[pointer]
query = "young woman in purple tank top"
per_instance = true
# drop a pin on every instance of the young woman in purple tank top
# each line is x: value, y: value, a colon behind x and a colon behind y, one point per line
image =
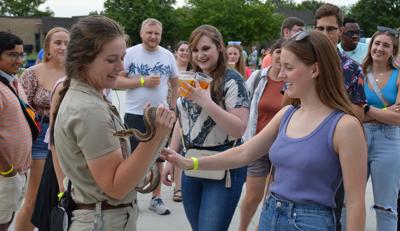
x: 311, y: 145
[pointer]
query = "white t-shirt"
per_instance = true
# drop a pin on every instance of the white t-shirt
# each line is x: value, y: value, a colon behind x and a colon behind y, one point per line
x: 139, y: 61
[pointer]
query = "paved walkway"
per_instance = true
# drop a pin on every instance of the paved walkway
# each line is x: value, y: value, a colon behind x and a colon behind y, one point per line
x: 149, y: 221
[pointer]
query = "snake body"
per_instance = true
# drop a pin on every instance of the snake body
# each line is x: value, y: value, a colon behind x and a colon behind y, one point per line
x: 152, y: 178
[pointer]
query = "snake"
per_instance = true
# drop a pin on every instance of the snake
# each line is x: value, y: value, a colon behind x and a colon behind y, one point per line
x: 153, y: 176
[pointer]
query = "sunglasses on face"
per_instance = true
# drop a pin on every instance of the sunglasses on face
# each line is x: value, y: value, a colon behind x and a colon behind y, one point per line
x: 391, y: 31
x: 351, y: 33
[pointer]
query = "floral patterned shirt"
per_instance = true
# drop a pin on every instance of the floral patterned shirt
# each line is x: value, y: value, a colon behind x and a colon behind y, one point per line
x: 198, y: 128
x: 38, y: 97
x: 353, y: 79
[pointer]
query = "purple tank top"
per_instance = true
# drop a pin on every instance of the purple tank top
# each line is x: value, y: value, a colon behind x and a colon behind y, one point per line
x: 307, y: 169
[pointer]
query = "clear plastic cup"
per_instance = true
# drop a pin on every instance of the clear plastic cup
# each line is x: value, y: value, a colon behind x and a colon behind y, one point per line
x: 188, y: 77
x: 203, y: 79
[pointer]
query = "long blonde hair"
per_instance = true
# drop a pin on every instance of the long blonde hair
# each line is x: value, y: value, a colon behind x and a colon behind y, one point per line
x: 47, y: 40
x: 240, y: 65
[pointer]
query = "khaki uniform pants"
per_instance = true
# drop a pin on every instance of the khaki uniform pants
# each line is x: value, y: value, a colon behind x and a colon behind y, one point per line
x: 120, y: 219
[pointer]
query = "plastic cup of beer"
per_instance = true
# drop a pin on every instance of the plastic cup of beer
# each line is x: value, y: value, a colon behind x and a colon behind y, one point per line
x: 185, y: 77
x: 203, y: 79
x: 231, y: 64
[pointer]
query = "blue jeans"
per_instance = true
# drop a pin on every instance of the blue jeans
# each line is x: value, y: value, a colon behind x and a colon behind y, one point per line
x: 208, y: 204
x: 278, y: 214
x: 39, y: 147
x: 384, y: 168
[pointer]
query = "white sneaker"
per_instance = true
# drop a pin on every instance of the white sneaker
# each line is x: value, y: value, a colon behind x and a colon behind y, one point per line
x: 157, y: 205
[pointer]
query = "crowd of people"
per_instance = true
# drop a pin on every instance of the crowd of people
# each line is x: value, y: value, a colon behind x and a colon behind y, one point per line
x: 304, y: 132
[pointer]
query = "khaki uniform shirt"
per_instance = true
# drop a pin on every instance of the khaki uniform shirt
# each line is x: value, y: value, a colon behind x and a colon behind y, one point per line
x: 84, y: 131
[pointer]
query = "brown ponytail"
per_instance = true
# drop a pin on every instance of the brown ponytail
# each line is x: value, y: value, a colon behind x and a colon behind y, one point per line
x: 88, y: 36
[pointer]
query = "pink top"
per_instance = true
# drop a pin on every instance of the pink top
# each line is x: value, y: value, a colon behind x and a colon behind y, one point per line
x: 15, y: 133
x: 38, y: 97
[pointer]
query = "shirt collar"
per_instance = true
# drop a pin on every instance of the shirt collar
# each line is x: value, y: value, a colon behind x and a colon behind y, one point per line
x: 9, y: 77
x: 79, y: 85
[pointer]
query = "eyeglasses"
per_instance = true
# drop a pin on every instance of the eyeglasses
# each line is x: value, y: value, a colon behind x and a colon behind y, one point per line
x: 328, y: 29
x: 351, y: 33
x: 16, y: 55
x: 391, y: 31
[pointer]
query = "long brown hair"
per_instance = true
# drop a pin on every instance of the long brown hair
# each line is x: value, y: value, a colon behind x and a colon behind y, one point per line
x: 88, y: 36
x: 240, y: 65
x: 317, y: 48
x: 392, y: 60
x: 219, y: 72
x: 47, y: 40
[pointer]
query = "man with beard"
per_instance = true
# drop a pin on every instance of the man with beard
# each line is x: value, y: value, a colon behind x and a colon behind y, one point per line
x: 148, y: 70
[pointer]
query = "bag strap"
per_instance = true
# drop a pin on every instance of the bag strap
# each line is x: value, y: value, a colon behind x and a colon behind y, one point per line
x: 269, y: 180
x: 376, y: 88
x: 35, y: 130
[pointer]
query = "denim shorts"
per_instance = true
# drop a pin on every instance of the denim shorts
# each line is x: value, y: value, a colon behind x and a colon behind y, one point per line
x: 280, y: 214
x: 39, y: 147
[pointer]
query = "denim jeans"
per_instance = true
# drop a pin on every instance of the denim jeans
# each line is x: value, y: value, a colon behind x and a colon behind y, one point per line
x: 384, y: 169
x: 39, y: 147
x: 208, y: 204
x: 278, y: 214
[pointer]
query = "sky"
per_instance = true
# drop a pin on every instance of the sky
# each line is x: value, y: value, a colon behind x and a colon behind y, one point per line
x: 68, y: 8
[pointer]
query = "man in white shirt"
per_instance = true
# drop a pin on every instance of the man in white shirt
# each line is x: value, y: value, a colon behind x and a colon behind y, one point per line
x: 149, y: 68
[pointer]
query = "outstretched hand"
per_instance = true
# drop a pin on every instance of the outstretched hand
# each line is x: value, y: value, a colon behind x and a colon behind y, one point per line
x: 176, y: 159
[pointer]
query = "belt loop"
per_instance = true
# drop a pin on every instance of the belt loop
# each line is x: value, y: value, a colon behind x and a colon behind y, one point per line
x: 98, y: 218
x: 291, y: 209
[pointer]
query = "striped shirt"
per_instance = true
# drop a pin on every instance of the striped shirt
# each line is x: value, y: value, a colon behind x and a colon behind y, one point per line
x: 15, y: 133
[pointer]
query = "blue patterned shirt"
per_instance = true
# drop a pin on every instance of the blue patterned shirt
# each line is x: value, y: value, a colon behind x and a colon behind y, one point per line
x: 198, y: 128
x: 353, y: 79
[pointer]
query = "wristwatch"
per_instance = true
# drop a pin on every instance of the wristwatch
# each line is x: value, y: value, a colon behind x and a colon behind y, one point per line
x: 366, y: 108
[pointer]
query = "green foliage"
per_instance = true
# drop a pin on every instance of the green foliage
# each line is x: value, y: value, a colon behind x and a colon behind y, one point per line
x: 131, y: 13
x: 371, y: 13
x: 23, y: 8
x: 250, y: 21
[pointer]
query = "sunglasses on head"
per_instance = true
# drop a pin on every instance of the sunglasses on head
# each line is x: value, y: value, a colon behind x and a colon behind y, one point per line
x: 351, y: 33
x: 300, y: 35
x: 391, y: 31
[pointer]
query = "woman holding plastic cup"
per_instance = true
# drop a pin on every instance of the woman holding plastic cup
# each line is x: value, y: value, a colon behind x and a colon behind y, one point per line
x: 211, y: 119
x: 236, y: 60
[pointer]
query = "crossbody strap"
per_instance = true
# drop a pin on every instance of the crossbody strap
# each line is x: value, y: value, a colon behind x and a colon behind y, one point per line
x: 376, y: 88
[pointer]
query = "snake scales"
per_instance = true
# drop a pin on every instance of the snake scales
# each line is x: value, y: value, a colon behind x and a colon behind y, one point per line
x: 152, y: 178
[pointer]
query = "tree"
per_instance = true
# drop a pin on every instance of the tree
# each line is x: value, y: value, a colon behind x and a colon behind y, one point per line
x: 250, y: 21
x: 131, y: 13
x: 23, y: 8
x: 372, y: 13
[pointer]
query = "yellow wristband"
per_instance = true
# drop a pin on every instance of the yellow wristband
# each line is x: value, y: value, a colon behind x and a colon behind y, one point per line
x: 8, y: 172
x: 141, y: 81
x: 195, y: 163
x: 385, y: 108
x: 60, y: 195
